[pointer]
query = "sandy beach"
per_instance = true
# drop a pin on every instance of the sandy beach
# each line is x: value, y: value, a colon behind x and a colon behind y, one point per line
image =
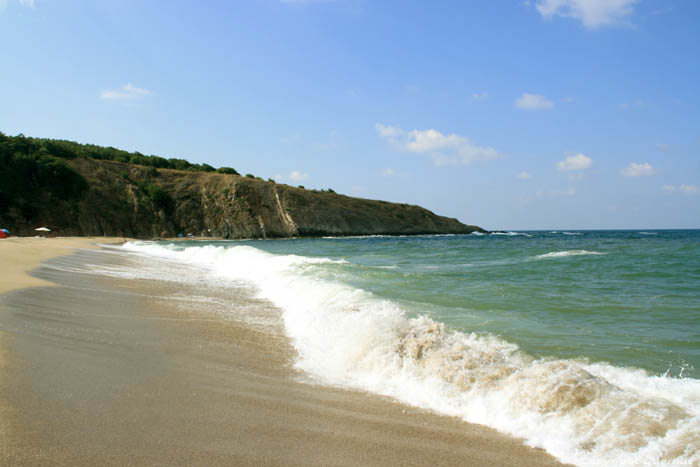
x: 23, y: 254
x: 112, y: 371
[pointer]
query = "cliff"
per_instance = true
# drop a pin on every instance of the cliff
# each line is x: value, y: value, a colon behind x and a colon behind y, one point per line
x: 96, y: 197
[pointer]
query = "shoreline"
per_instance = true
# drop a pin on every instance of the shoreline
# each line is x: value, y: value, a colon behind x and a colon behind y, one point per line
x: 114, y: 371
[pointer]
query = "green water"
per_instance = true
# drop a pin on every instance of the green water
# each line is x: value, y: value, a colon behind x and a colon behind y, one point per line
x: 625, y: 297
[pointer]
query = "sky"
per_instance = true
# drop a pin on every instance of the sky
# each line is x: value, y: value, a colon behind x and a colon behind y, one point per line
x: 540, y: 114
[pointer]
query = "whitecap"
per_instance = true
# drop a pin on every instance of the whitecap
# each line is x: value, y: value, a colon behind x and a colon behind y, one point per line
x: 564, y: 254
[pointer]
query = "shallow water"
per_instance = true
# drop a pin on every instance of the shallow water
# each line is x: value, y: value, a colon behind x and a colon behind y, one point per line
x: 583, y: 343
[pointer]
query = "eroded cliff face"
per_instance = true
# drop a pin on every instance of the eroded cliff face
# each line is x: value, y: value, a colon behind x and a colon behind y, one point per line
x: 136, y: 201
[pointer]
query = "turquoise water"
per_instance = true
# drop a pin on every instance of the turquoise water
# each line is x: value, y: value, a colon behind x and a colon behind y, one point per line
x: 630, y: 298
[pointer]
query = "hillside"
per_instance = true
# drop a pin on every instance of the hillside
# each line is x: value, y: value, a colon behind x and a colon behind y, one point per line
x: 89, y: 190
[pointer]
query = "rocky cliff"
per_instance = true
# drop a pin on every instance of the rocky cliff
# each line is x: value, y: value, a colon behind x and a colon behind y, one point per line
x: 117, y: 198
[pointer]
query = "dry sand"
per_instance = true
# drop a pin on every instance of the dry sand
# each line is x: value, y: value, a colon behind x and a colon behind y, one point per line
x: 19, y: 255
x: 103, y: 371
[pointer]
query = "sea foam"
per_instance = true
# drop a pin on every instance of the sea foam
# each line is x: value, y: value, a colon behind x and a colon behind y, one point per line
x: 564, y: 254
x: 511, y: 234
x: 578, y: 411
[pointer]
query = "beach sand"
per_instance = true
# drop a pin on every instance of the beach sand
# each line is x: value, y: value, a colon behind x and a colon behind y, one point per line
x: 108, y: 371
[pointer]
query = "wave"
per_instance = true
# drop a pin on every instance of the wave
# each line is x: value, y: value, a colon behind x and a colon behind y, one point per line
x: 578, y: 411
x: 564, y: 254
x: 344, y: 237
x: 648, y: 233
x: 511, y: 234
x: 571, y: 233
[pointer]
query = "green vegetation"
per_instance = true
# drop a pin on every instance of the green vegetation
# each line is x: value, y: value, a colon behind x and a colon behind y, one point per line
x: 227, y: 170
x: 69, y: 150
x: 250, y: 175
x: 27, y: 168
x: 161, y: 199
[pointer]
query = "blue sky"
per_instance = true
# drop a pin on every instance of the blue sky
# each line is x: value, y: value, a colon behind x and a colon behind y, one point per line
x: 551, y: 114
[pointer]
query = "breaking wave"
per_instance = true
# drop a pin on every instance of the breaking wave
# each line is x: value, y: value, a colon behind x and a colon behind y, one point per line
x: 511, y: 234
x: 564, y: 254
x: 578, y: 411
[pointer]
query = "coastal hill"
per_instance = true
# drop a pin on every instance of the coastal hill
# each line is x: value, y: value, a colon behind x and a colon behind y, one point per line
x: 79, y: 189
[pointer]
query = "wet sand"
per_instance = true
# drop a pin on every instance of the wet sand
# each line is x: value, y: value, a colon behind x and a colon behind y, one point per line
x: 106, y: 371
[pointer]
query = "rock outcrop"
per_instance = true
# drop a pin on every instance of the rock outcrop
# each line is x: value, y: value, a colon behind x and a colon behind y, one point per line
x: 144, y: 202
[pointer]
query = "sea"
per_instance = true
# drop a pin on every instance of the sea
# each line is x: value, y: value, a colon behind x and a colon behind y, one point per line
x: 582, y: 343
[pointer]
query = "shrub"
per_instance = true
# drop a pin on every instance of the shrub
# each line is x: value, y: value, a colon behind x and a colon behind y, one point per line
x: 227, y: 170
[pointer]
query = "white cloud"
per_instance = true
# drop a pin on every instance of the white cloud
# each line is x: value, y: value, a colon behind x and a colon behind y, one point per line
x: 592, y: 13
x: 450, y: 149
x: 477, y: 96
x: 298, y: 176
x: 533, y: 102
x: 638, y: 170
x: 294, y: 176
x: 126, y: 92
x: 689, y: 189
x: 388, y: 172
x: 576, y: 176
x: 26, y: 3
x: 569, y: 192
x: 577, y: 162
x: 524, y: 175
x: 387, y: 131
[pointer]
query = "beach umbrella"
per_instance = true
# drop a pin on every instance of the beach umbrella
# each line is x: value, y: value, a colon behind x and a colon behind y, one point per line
x: 3, y: 234
x: 43, y: 229
x: 6, y: 231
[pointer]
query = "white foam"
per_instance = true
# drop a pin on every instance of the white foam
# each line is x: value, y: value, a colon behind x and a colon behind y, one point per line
x: 511, y: 234
x: 571, y: 233
x: 564, y: 254
x: 578, y: 411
